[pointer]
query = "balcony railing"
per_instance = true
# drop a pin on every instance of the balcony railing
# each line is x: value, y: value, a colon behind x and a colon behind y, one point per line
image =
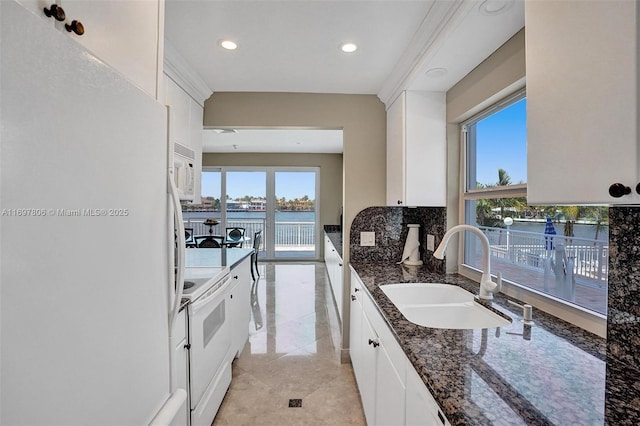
x: 294, y: 236
x: 572, y: 268
x: 590, y: 257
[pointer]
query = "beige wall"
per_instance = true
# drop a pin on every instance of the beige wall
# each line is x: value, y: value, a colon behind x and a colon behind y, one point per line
x: 330, y: 197
x: 496, y: 77
x: 363, y: 120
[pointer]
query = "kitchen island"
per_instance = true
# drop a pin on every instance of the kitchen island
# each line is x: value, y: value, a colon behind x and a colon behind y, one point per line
x: 549, y: 373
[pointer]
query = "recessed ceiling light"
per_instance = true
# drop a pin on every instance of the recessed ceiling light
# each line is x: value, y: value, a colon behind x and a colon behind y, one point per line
x: 495, y: 7
x: 348, y: 47
x: 228, y: 44
x: 436, y: 72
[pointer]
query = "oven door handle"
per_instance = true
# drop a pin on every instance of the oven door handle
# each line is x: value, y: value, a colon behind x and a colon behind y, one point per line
x: 208, y: 298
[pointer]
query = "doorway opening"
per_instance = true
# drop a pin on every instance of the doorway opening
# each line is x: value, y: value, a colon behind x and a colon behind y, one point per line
x: 280, y: 202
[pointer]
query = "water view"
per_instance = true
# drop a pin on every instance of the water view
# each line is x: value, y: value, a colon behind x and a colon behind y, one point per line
x: 295, y: 231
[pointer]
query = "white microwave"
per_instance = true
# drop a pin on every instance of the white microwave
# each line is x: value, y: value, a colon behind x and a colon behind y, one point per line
x: 184, y: 171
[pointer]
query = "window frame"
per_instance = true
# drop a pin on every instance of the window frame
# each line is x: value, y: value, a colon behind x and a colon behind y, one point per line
x: 582, y: 317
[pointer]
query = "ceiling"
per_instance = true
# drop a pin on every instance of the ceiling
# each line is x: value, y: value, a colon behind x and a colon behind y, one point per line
x: 293, y: 46
x: 312, y: 141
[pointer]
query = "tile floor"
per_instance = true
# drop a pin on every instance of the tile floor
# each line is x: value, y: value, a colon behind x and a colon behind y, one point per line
x: 289, y: 372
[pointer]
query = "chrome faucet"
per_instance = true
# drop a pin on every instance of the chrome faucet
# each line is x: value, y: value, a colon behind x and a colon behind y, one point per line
x: 487, y: 286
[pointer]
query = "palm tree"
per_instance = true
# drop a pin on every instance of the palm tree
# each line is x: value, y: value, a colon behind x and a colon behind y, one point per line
x: 503, y: 178
x: 483, y: 213
x: 571, y: 214
x: 518, y: 203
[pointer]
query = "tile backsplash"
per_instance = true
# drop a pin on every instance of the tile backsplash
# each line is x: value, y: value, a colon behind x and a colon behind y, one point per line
x: 390, y: 227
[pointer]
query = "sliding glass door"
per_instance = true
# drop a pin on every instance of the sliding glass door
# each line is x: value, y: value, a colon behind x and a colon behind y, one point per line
x: 295, y: 214
x: 280, y: 202
x: 245, y: 203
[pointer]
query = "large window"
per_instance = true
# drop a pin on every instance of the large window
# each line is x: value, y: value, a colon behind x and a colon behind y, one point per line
x: 557, y: 251
x: 280, y: 202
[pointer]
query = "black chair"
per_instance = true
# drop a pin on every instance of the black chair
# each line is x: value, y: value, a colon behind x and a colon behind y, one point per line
x: 208, y: 241
x: 257, y: 239
x: 188, y: 237
x: 235, y: 237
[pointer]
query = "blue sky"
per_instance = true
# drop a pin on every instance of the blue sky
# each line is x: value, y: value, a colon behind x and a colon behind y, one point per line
x: 502, y: 143
x: 288, y: 184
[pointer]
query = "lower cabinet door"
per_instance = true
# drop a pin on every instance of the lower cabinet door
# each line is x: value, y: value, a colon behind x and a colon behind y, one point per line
x: 356, y: 346
x: 240, y: 305
x: 368, y: 382
x: 390, y: 391
x: 422, y: 409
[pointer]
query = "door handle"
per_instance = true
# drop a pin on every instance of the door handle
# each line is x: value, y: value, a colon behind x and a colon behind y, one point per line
x: 56, y: 12
x: 76, y: 27
x: 617, y: 190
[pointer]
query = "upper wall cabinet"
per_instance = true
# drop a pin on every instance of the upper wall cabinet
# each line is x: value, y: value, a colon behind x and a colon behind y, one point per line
x: 416, y: 150
x: 582, y: 96
x: 186, y: 116
x: 124, y: 34
x: 185, y: 92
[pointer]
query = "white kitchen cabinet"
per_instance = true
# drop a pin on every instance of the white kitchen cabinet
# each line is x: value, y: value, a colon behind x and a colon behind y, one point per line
x: 363, y: 369
x: 333, y: 262
x: 422, y: 409
x: 180, y: 363
x: 179, y: 102
x: 416, y: 150
x: 582, y: 101
x: 377, y: 365
x: 186, y: 117
x: 391, y: 390
x: 127, y: 35
x: 196, y: 118
x: 240, y: 305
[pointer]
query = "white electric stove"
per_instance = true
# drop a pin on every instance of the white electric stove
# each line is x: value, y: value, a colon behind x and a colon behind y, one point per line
x: 198, y: 280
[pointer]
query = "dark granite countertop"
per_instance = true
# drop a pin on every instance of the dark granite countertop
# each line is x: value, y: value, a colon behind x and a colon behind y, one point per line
x: 334, y: 232
x: 550, y: 373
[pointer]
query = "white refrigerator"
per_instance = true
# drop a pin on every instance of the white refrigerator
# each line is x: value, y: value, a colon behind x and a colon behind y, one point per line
x: 85, y: 278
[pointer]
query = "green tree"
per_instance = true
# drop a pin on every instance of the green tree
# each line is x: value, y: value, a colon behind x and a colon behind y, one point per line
x: 485, y: 208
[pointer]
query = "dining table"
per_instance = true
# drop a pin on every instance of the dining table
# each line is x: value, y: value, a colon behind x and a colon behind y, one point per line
x: 225, y: 241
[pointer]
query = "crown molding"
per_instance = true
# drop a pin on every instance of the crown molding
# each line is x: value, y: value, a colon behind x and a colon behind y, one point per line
x: 177, y: 68
x: 440, y: 20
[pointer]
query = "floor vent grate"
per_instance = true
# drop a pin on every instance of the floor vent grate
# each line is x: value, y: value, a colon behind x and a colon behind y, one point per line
x: 295, y: 403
